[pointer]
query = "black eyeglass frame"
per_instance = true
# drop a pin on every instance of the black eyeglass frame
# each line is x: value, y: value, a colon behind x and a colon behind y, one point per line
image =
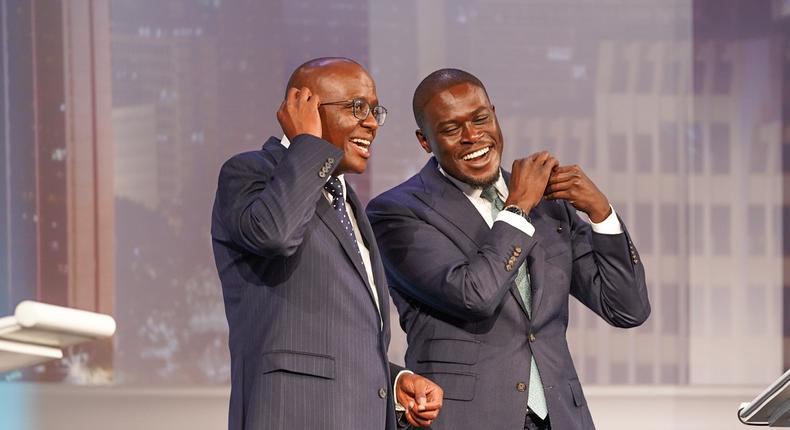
x: 360, y: 106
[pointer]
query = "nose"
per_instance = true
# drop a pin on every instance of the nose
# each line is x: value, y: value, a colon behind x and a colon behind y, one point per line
x: 370, y: 122
x: 469, y: 133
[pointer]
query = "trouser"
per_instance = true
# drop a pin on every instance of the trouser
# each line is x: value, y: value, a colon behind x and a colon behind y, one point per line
x: 533, y: 422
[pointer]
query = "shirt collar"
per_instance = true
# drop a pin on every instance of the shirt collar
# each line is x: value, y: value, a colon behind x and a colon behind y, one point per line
x: 285, y: 142
x: 473, y: 191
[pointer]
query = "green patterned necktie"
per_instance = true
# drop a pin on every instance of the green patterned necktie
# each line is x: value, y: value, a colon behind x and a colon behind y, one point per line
x: 536, y: 400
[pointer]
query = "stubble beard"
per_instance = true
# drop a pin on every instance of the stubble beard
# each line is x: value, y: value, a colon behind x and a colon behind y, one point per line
x: 484, y: 182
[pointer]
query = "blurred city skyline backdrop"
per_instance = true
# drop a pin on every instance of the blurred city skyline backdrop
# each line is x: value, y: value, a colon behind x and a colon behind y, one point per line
x: 117, y: 114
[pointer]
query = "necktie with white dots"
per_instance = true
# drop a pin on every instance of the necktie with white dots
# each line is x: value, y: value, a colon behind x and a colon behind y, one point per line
x: 335, y: 188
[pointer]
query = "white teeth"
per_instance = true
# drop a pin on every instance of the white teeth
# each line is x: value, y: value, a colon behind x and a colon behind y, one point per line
x: 478, y: 153
x: 361, y: 142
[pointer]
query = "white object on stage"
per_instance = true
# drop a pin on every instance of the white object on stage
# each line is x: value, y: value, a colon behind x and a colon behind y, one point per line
x: 37, y: 332
x: 771, y: 408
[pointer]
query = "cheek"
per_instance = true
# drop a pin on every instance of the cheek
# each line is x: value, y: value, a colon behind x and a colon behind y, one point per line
x: 444, y: 147
x: 342, y: 128
x: 335, y: 132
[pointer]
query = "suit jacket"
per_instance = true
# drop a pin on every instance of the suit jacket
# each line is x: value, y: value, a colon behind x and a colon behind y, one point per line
x: 468, y: 330
x: 307, y: 346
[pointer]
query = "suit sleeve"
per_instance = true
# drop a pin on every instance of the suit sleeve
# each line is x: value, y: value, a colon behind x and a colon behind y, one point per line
x: 425, y: 264
x: 265, y: 208
x: 608, y: 275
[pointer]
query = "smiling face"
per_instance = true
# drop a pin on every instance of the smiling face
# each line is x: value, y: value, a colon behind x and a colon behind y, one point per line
x: 460, y: 128
x: 341, y: 81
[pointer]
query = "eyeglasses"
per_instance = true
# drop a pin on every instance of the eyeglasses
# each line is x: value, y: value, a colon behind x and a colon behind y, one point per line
x: 361, y: 109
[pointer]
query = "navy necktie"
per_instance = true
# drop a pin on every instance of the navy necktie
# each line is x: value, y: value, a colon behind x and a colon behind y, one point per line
x: 335, y: 188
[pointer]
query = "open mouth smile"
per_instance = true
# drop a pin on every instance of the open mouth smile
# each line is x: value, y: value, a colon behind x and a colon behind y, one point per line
x: 477, y: 154
x: 363, y: 145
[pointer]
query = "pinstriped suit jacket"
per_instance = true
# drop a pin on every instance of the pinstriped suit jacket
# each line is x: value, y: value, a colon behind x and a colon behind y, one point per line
x: 452, y: 280
x: 306, y: 343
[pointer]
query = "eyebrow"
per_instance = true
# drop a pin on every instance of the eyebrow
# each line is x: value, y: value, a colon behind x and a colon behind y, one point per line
x: 452, y: 121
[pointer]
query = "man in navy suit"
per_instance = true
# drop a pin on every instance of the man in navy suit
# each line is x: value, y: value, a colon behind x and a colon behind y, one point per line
x: 304, y: 288
x: 481, y: 264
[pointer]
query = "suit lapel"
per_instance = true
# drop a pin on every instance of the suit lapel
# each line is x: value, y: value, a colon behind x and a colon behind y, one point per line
x: 328, y: 216
x: 536, y: 263
x: 517, y: 296
x: 451, y: 203
x: 370, y: 241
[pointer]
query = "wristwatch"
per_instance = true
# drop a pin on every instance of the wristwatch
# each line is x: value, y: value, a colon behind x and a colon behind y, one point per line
x: 516, y: 210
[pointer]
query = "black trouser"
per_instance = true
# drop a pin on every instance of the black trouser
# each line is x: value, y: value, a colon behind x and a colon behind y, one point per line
x: 533, y: 422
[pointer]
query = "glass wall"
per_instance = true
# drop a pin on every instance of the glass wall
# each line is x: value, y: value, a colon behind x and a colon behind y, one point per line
x: 674, y: 108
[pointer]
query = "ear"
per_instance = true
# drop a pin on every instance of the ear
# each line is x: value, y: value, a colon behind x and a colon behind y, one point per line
x: 423, y: 140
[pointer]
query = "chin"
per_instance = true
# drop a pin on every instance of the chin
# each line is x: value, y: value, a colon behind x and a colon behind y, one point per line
x: 356, y: 168
x: 484, y: 182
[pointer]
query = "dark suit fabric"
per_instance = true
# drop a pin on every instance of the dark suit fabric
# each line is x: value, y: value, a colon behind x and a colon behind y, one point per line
x: 306, y: 343
x: 464, y: 318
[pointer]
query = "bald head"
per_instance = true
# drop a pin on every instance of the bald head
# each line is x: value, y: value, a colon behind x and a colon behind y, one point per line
x: 311, y: 73
x: 337, y: 88
x: 437, y: 82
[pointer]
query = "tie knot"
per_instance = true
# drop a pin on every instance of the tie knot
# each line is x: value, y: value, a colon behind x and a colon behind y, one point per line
x: 334, y: 187
x: 490, y: 193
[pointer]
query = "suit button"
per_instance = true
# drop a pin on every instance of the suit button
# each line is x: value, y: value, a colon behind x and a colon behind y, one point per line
x: 511, y: 260
x: 508, y: 267
x: 382, y: 393
x: 531, y: 337
x: 521, y: 387
x: 559, y: 229
x: 517, y: 249
x: 330, y: 160
x: 322, y: 174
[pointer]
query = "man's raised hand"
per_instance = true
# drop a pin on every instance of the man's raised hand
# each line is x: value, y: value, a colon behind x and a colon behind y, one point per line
x: 298, y: 113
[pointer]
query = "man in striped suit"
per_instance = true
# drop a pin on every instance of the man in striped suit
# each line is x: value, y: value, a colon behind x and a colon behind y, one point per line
x: 304, y: 288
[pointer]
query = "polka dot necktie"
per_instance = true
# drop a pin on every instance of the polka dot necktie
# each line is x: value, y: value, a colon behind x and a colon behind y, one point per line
x: 536, y: 399
x: 335, y: 188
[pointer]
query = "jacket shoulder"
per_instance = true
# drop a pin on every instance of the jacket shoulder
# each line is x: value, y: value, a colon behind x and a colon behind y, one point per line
x: 400, y: 194
x: 251, y: 159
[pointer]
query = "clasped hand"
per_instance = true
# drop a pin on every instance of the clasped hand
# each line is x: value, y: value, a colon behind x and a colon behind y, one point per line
x: 540, y: 175
x: 421, y: 397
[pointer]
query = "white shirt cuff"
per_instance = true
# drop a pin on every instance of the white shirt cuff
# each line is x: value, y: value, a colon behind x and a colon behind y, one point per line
x: 516, y: 221
x: 611, y: 225
x: 398, y: 406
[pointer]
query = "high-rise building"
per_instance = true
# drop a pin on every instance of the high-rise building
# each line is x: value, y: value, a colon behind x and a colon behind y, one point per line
x: 677, y: 122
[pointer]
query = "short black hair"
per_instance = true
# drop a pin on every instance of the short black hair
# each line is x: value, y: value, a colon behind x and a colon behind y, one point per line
x: 438, y: 81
